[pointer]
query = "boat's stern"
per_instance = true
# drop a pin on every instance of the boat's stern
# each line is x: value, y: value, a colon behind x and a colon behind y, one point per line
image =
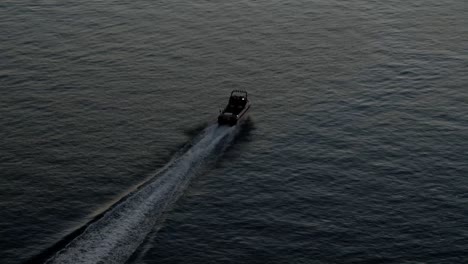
x: 227, y: 119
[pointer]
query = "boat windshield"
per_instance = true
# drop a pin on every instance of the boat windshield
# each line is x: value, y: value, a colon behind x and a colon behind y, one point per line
x: 236, y: 104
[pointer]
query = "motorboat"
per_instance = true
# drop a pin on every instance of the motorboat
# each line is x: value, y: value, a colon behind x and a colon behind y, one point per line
x: 236, y: 109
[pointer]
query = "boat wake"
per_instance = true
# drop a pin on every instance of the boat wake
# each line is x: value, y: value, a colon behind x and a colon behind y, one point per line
x: 117, y: 234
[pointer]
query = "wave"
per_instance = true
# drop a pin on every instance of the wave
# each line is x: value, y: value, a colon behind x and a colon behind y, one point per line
x: 118, y: 233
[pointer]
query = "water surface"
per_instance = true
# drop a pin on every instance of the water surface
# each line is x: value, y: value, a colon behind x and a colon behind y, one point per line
x: 355, y: 150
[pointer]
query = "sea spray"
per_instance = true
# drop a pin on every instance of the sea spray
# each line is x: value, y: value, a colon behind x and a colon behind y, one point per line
x: 114, y: 237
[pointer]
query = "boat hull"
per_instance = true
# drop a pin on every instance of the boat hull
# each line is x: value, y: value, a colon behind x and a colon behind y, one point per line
x: 232, y: 120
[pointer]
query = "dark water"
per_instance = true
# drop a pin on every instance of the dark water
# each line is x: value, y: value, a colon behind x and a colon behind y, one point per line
x: 355, y: 150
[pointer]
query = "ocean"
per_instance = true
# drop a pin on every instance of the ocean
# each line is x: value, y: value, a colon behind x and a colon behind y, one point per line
x: 355, y: 149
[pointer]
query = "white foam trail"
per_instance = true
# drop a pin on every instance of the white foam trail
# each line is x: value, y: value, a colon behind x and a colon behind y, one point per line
x: 114, y: 237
